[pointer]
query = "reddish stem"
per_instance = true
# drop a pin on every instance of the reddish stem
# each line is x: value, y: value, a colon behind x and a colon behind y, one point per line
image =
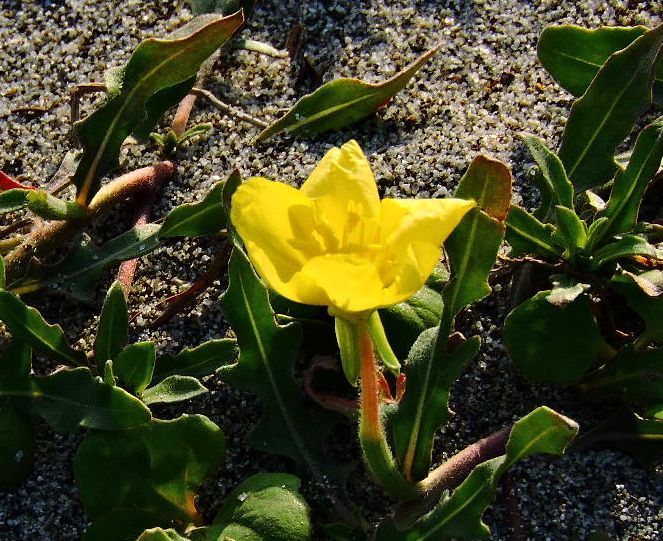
x: 182, y: 115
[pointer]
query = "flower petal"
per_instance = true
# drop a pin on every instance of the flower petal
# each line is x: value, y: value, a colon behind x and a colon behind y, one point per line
x: 344, y: 281
x: 342, y: 186
x: 413, y: 231
x: 273, y: 219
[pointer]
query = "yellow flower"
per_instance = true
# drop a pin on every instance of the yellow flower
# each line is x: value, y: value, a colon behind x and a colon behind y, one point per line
x: 335, y: 243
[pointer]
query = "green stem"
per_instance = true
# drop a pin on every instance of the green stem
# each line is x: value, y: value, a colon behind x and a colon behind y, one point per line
x: 372, y: 438
x: 385, y: 353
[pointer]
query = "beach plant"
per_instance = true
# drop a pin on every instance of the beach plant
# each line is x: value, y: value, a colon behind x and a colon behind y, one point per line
x: 301, y: 242
x: 597, y: 322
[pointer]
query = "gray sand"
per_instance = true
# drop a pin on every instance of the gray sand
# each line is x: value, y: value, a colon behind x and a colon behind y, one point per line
x: 475, y: 96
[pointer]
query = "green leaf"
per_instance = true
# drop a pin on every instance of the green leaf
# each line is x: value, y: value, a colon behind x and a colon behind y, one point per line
x: 113, y: 328
x: 430, y: 374
x: 552, y: 344
x: 202, y: 360
x: 173, y: 389
x: 605, y: 114
x: 622, y: 247
x: 565, y: 290
x: 17, y: 444
x: 159, y: 534
x: 46, y: 206
x: 642, y: 438
x: 151, y: 472
x: 78, y: 273
x: 405, y: 321
x: 472, y: 249
x: 268, y: 353
x: 633, y: 376
x: 527, y: 235
x: 26, y: 324
x: 341, y: 103
x: 134, y: 366
x: 155, y: 65
x: 629, y: 187
x: 158, y: 104
x: 459, y: 515
x: 14, y: 199
x: 572, y: 228
x: 265, y: 507
x: 559, y: 187
x: 649, y: 307
x: 196, y: 219
x: 68, y: 399
x: 573, y: 55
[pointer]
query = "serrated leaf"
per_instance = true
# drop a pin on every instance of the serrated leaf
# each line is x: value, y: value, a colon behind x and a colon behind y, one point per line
x: 634, y: 376
x: 527, y: 235
x: 265, y: 507
x: 629, y: 187
x: 155, y: 65
x: 622, y: 247
x: 113, y: 328
x: 68, y: 399
x: 196, y: 219
x: 46, y: 206
x: 200, y: 361
x: 173, y: 389
x: 430, y: 373
x: 14, y: 199
x: 17, y: 443
x: 150, y: 472
x: 552, y: 344
x: 265, y: 367
x: 607, y: 111
x: 134, y: 366
x: 26, y: 324
x: 459, y: 515
x: 573, y: 55
x: 78, y: 273
x: 341, y: 103
x: 650, y: 308
x: 558, y: 186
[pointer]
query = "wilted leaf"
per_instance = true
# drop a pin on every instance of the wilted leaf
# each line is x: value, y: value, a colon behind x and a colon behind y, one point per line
x: 552, y: 344
x: 459, y: 515
x: 150, y: 473
x: 26, y: 324
x: 341, y: 103
x: 113, y: 328
x: 173, y: 389
x: 573, y: 55
x: 607, y: 111
x: 155, y: 65
x: 202, y: 360
x: 196, y: 219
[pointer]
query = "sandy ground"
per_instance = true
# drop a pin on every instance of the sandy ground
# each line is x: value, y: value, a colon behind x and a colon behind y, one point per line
x: 483, y: 88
